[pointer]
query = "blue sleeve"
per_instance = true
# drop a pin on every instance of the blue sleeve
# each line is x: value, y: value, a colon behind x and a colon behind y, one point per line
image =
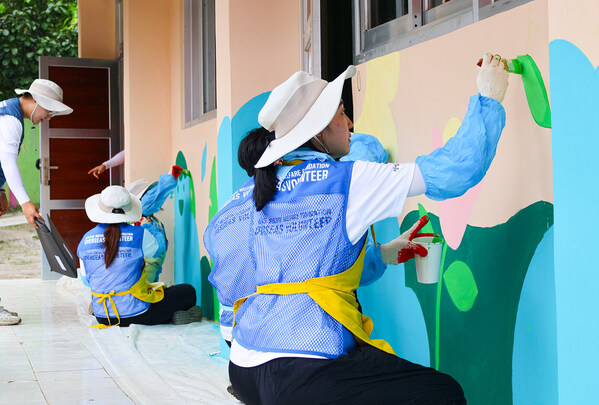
x: 156, y: 246
x: 152, y: 200
x: 463, y: 161
x: 373, y: 263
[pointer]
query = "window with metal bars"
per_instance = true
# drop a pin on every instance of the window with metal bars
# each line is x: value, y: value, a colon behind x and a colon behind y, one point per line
x: 384, y: 26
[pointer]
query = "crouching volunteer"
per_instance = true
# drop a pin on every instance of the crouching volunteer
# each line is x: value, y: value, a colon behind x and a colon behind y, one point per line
x: 152, y: 196
x: 112, y: 259
x: 376, y: 258
x: 303, y: 217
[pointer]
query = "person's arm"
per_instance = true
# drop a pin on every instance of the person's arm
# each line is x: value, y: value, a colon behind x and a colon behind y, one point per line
x: 116, y: 160
x: 150, y: 245
x: 15, y: 182
x: 463, y: 161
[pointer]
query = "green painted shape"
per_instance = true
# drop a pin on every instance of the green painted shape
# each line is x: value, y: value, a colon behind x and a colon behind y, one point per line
x: 428, y: 228
x: 180, y: 160
x: 476, y: 347
x: 534, y: 88
x: 460, y: 285
x: 213, y: 209
x: 207, y: 289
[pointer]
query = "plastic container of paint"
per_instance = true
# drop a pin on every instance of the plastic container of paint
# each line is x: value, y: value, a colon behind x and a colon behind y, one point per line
x: 429, y: 267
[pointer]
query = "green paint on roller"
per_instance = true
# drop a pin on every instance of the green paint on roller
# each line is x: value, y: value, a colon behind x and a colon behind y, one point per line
x: 534, y: 87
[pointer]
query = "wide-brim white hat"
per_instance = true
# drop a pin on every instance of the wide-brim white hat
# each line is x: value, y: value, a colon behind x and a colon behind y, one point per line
x: 297, y: 110
x: 112, y: 206
x: 48, y: 95
x: 139, y: 187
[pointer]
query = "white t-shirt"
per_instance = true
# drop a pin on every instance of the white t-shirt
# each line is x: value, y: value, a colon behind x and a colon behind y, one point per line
x: 10, y: 138
x: 377, y: 191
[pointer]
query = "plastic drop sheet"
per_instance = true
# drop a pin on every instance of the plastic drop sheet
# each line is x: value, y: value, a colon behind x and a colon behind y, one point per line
x: 162, y: 363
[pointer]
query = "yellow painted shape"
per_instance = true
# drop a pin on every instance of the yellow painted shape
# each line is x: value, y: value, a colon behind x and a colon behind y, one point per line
x: 382, y: 82
x: 451, y: 128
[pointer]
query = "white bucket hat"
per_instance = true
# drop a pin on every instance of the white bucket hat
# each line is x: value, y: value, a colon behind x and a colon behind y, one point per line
x: 138, y: 187
x: 112, y: 206
x: 48, y: 95
x: 297, y: 110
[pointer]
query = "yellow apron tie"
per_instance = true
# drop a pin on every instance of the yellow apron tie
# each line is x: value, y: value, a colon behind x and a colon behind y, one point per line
x: 142, y: 290
x: 336, y: 296
x: 292, y: 162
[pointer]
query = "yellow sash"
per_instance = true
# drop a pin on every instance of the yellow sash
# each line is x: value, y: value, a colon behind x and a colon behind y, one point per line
x: 142, y: 290
x: 336, y: 296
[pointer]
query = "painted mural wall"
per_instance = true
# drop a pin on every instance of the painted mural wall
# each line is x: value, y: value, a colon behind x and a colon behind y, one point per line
x: 490, y: 321
x: 574, y: 61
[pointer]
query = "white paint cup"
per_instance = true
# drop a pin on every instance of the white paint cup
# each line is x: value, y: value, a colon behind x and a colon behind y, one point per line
x: 429, y: 267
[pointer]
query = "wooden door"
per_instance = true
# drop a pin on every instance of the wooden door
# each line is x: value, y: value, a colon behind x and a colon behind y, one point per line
x: 71, y: 145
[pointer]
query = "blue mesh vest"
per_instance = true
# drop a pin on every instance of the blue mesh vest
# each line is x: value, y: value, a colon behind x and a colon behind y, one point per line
x: 227, y: 239
x: 122, y: 273
x: 301, y: 234
x: 12, y: 107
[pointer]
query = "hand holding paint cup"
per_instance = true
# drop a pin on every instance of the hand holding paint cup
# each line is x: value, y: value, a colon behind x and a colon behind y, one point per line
x: 428, y: 267
x: 402, y: 249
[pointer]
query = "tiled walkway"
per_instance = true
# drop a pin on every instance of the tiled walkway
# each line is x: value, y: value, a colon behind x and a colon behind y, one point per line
x: 51, y: 358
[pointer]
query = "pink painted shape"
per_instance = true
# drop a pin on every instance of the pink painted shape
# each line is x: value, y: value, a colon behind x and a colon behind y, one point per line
x: 12, y: 200
x: 455, y: 213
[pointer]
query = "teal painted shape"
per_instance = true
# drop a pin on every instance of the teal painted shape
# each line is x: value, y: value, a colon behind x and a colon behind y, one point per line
x: 575, y: 141
x: 187, y: 245
x: 225, y: 162
x: 394, y: 308
x: 534, y: 359
x: 204, y: 157
x: 230, y: 175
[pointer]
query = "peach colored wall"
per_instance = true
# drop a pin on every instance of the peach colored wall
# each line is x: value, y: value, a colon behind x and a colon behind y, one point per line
x: 147, y: 94
x: 431, y: 84
x: 265, y: 46
x: 96, y: 29
x: 577, y: 22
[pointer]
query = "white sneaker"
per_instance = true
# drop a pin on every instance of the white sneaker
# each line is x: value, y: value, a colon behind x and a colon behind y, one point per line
x: 8, y: 317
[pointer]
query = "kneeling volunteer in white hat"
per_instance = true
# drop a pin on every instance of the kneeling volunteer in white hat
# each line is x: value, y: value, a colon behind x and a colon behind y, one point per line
x: 299, y: 226
x: 112, y: 260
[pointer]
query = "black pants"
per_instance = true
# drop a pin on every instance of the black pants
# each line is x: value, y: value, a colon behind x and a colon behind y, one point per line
x: 364, y: 376
x: 176, y: 298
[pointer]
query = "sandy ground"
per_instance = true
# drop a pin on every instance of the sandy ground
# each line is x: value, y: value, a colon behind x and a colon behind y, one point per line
x: 20, y: 249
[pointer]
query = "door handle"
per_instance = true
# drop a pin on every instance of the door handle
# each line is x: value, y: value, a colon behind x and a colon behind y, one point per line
x: 46, y: 171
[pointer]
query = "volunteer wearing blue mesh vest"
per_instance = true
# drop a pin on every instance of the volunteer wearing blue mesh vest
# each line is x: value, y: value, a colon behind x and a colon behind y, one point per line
x: 40, y: 102
x: 300, y: 338
x: 112, y: 260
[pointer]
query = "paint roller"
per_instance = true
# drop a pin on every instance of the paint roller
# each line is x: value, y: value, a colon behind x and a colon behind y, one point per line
x: 534, y: 87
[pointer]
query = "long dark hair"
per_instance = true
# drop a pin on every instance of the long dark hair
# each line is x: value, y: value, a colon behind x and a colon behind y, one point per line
x: 265, y: 179
x: 112, y: 236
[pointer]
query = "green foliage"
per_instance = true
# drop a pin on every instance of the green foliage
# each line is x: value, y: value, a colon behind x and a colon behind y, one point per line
x: 29, y: 29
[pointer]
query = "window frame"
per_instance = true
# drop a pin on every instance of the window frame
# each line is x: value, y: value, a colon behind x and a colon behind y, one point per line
x: 418, y: 26
x: 199, y: 62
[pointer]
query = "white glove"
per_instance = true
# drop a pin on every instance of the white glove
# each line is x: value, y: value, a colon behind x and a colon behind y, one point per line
x: 492, y: 77
x: 402, y: 249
